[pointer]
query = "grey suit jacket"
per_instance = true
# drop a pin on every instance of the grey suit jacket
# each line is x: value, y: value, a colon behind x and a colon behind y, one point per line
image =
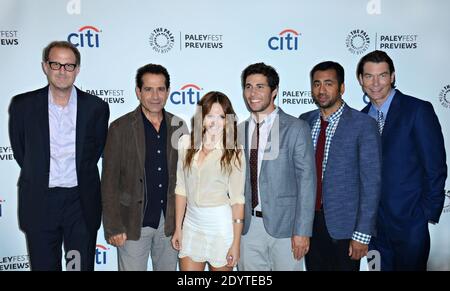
x: 287, y: 180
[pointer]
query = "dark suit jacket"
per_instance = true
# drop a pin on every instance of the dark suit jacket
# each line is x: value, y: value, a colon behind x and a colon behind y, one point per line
x: 414, y: 168
x: 123, y: 174
x: 30, y: 141
x: 352, y: 179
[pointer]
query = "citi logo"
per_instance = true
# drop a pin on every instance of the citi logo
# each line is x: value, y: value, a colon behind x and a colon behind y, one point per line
x: 101, y: 254
x: 87, y: 36
x: 288, y: 39
x: 1, y: 201
x: 188, y: 94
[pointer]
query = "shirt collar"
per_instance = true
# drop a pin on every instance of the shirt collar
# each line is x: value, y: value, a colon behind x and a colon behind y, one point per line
x: 217, y: 146
x: 336, y: 115
x: 385, y: 106
x: 72, y: 97
x: 163, y: 121
x: 268, y: 119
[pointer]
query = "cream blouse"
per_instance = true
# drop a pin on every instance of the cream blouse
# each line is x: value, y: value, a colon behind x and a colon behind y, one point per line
x: 207, y: 185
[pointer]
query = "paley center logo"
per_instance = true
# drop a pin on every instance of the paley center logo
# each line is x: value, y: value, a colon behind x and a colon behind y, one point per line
x: 161, y: 40
x: 101, y: 254
x: 357, y: 41
x: 86, y: 36
x: 187, y: 94
x: 444, y: 96
x: 287, y: 39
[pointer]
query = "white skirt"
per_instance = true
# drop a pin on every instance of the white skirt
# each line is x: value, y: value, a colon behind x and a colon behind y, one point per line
x: 207, y: 234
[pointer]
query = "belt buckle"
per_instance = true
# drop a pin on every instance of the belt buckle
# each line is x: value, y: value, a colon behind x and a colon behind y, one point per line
x: 257, y: 213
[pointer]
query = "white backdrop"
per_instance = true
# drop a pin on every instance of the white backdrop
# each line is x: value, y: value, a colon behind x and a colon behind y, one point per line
x: 205, y: 45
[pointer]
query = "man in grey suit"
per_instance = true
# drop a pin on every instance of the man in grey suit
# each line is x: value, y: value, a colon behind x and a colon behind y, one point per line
x: 280, y: 183
x: 348, y: 159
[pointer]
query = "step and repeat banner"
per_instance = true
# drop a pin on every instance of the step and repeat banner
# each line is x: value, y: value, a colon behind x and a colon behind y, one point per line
x: 205, y: 45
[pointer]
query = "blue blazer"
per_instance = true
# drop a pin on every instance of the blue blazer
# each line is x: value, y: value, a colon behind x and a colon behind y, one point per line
x: 414, y: 168
x: 351, y: 182
x: 30, y: 141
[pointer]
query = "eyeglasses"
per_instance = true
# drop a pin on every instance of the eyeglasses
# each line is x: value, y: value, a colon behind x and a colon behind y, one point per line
x: 258, y: 87
x: 67, y: 67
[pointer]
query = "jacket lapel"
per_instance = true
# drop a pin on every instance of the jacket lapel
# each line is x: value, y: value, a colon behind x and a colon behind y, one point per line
x: 273, y: 140
x: 339, y: 134
x: 139, y: 135
x: 339, y: 139
x: 44, y: 124
x: 80, y: 127
x: 169, y: 148
x: 246, y: 147
x: 394, y: 111
x: 312, y: 118
x: 366, y: 109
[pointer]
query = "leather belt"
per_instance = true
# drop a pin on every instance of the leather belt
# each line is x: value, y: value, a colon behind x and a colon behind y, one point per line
x: 257, y: 213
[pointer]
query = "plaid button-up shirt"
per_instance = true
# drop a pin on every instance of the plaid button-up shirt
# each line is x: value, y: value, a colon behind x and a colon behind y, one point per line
x: 333, y: 120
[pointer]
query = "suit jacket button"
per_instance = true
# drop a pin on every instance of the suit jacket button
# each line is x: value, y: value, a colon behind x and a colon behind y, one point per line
x: 140, y: 202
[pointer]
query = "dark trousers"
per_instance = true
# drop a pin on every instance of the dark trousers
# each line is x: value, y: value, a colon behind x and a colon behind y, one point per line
x: 326, y: 253
x: 403, y: 253
x: 63, y: 224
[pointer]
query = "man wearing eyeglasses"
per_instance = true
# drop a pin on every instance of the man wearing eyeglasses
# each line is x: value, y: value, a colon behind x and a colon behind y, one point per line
x: 57, y: 135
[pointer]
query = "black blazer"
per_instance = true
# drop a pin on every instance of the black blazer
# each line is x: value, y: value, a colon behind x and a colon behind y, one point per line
x: 30, y: 141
